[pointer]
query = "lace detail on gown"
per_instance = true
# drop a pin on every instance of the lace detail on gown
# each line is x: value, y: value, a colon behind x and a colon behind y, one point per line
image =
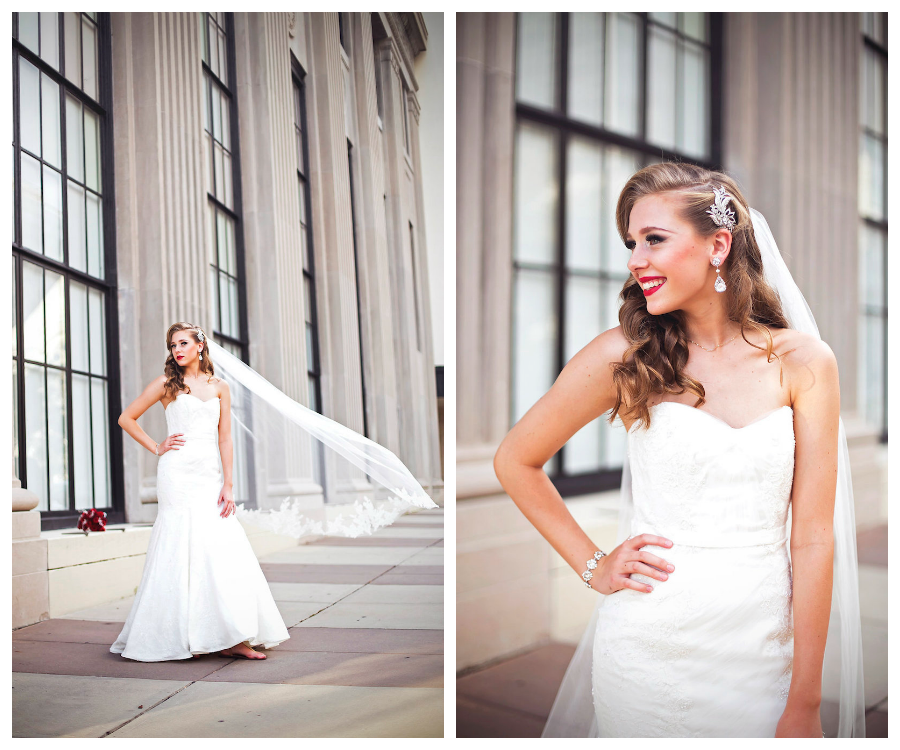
x: 708, y: 652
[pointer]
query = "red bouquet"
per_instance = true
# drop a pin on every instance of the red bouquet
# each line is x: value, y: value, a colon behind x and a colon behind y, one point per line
x: 92, y: 520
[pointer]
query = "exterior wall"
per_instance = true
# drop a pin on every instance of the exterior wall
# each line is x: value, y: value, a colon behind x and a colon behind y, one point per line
x: 790, y: 97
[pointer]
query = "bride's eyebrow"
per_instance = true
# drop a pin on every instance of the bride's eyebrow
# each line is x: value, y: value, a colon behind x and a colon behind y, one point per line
x: 649, y: 229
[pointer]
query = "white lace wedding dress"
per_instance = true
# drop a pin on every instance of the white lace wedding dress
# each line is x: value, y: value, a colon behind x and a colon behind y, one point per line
x: 708, y: 652
x: 202, y: 589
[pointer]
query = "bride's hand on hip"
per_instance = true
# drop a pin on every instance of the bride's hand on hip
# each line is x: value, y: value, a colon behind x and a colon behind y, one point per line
x: 615, y: 569
x: 173, y: 442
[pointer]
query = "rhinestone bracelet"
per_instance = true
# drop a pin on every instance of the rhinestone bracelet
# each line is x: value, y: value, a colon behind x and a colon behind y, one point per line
x: 591, y: 566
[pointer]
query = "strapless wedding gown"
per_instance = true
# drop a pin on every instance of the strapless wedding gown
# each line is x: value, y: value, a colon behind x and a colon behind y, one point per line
x: 708, y: 652
x: 202, y: 589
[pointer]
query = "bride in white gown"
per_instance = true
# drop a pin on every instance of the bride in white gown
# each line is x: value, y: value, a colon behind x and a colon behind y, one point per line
x: 713, y: 624
x: 202, y: 590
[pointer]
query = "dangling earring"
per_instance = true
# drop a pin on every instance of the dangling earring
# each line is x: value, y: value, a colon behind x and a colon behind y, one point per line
x: 720, y: 282
x: 201, y: 353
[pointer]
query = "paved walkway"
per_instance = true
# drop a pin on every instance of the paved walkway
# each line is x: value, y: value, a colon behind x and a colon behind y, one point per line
x: 365, y: 657
x: 513, y: 698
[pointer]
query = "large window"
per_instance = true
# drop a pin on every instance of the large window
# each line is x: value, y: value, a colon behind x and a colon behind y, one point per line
x: 873, y: 226
x: 65, y: 384
x: 598, y: 95
x: 221, y: 158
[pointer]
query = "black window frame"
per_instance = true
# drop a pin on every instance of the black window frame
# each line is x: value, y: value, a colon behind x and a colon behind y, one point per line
x: 565, y: 128
x: 359, y: 309
x: 108, y: 285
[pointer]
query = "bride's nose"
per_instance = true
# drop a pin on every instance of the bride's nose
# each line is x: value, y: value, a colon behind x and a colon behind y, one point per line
x: 637, y: 261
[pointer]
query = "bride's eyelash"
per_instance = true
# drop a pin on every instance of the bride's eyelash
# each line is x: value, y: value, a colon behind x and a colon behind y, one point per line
x: 630, y: 244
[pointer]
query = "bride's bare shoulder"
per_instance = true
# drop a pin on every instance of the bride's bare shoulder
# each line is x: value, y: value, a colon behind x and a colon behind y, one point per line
x: 608, y: 347
x: 800, y: 348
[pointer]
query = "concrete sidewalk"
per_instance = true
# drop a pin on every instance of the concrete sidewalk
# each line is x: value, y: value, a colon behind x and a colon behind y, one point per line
x: 513, y: 697
x: 365, y: 657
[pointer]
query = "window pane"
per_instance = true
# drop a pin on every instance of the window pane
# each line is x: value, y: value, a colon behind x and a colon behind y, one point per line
x: 28, y: 30
x: 73, y: 48
x: 55, y: 311
x: 204, y: 38
x: 89, y: 76
x: 79, y: 325
x: 214, y: 288
x: 585, y: 94
x: 50, y: 124
x: 92, y: 150
x: 97, y: 318
x: 536, y: 194
x: 36, y: 433
x: 57, y: 442
x: 223, y: 61
x: 313, y: 402
x: 872, y: 96
x: 310, y: 348
x: 623, y: 54
x: 230, y: 260
x: 77, y: 229
x: 536, y: 65
x: 221, y: 254
x: 100, y: 426
x: 29, y: 106
x: 224, y: 103
x: 17, y: 469
x: 53, y: 216
x: 695, y: 97
x: 204, y: 106
x: 583, y: 314
x: 871, y: 178
x: 534, y: 338
x: 95, y: 236
x: 213, y: 60
x: 74, y: 139
x: 81, y: 442
x: 583, y: 204
x: 661, y: 88
x: 32, y: 221
x: 871, y: 266
x: 619, y: 165
x: 33, y: 311
x: 669, y: 19
x: 224, y: 301
x: 228, y: 198
x: 50, y: 39
x: 233, y: 306
x: 207, y: 163
x: 219, y: 191
x: 694, y: 25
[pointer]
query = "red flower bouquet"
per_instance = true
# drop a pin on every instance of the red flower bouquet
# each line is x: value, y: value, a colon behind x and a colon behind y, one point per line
x: 92, y: 520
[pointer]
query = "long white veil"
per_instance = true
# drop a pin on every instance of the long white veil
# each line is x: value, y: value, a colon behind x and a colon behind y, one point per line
x: 297, y: 472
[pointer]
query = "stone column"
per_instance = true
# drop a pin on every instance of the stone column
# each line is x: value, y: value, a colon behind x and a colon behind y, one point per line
x: 484, y: 187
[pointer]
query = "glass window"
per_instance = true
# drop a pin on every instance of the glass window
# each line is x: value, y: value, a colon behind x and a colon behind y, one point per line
x: 872, y: 395
x: 584, y: 126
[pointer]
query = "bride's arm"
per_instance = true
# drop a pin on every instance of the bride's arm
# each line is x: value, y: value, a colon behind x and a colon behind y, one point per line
x: 583, y: 391
x: 128, y: 419
x: 226, y: 449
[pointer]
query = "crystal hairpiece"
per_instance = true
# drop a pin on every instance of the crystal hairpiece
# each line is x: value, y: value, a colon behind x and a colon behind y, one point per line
x: 201, y: 335
x: 719, y: 211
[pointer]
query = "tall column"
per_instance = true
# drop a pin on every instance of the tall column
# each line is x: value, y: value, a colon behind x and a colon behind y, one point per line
x: 485, y: 103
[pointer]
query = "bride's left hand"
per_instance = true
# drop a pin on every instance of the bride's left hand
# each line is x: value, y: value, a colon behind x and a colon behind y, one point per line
x: 226, y: 497
x: 803, y: 722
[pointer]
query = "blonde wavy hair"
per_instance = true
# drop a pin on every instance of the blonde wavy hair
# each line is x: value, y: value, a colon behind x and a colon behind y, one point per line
x: 657, y: 353
x: 174, y: 374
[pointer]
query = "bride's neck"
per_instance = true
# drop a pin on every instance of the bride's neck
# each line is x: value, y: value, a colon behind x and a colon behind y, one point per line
x: 710, y: 327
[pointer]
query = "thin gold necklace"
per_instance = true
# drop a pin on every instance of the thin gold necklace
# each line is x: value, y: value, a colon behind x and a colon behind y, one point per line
x: 717, y: 345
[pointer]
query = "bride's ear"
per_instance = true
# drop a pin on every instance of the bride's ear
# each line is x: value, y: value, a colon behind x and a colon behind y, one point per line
x: 722, y: 244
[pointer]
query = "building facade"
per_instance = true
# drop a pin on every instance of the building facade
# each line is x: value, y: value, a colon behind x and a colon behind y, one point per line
x: 258, y: 174
x: 555, y: 112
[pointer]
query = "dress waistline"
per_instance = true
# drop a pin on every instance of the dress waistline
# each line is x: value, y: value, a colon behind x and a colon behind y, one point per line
x: 718, y: 540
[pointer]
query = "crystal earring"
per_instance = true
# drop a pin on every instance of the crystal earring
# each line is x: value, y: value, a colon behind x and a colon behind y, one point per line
x: 720, y: 282
x: 201, y: 356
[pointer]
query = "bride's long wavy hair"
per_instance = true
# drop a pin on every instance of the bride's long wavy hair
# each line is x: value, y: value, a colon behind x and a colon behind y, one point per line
x: 657, y: 354
x: 174, y: 373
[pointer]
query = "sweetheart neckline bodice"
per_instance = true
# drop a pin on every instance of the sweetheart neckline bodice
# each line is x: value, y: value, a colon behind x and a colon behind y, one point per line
x: 718, y: 419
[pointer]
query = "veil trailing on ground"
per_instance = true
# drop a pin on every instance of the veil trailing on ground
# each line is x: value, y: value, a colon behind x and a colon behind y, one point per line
x: 573, y: 715
x: 297, y: 472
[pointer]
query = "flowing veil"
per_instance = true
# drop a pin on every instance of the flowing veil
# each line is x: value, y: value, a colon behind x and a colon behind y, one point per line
x: 573, y: 715
x: 297, y: 472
